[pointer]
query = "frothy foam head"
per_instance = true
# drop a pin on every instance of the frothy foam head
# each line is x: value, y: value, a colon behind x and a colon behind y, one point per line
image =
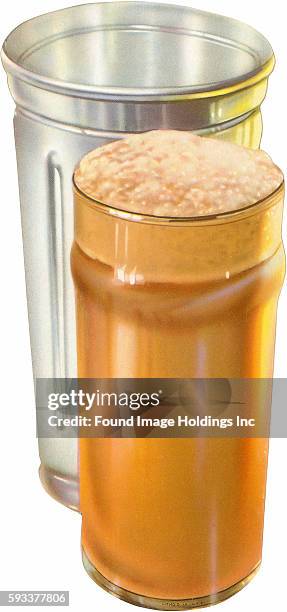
x: 176, y: 174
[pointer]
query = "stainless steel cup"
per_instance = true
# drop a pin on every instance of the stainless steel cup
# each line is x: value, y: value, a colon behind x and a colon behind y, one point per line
x: 84, y: 76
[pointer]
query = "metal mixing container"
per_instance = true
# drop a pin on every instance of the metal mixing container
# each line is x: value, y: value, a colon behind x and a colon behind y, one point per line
x: 84, y: 76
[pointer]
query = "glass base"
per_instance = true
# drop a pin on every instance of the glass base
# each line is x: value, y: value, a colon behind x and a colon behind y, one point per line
x: 164, y: 604
x: 62, y: 488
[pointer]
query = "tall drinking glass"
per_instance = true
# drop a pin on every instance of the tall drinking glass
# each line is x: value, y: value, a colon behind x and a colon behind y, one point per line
x: 175, y: 522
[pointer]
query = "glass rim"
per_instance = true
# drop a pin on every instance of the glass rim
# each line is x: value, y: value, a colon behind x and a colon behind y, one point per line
x: 215, y: 218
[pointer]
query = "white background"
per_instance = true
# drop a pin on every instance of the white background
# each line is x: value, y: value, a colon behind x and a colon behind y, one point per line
x: 40, y: 539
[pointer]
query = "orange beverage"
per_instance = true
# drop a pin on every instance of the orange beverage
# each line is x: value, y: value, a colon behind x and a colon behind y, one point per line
x: 175, y: 522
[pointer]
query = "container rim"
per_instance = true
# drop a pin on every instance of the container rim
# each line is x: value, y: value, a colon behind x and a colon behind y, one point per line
x: 213, y: 219
x: 265, y: 65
